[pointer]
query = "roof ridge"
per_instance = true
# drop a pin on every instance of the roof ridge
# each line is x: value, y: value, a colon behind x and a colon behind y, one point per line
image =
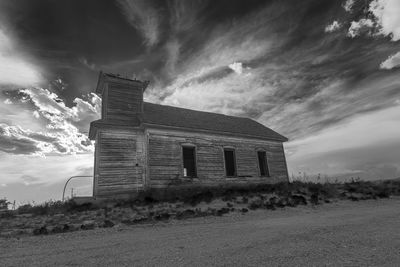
x: 194, y: 110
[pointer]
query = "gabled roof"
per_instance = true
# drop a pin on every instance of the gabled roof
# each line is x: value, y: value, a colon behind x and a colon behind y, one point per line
x: 155, y: 115
x: 160, y: 115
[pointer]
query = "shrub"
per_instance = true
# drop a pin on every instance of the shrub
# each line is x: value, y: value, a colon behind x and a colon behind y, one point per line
x: 53, y: 207
x: 4, y: 204
x: 255, y: 204
x: 291, y: 194
x: 7, y: 214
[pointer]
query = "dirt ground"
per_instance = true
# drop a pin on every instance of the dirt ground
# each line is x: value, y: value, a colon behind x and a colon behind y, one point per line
x: 365, y: 233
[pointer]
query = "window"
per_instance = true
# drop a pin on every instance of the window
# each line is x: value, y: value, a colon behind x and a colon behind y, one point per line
x: 262, y: 163
x: 230, y: 164
x: 189, y: 161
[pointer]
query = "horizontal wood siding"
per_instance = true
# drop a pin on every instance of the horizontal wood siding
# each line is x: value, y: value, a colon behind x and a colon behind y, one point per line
x: 165, y: 161
x: 164, y: 158
x: 210, y: 160
x: 120, y: 161
x: 123, y: 101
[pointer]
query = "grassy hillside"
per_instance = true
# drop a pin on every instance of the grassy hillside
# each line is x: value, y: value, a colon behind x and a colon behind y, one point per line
x: 163, y: 205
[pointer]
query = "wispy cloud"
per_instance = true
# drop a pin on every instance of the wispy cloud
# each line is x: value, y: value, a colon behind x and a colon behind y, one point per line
x: 183, y: 18
x: 301, y: 88
x: 345, y: 148
x: 31, y: 180
x: 42, y: 178
x: 184, y: 15
x: 300, y: 81
x: 236, y: 67
x: 85, y: 62
x: 334, y: 26
x: 145, y: 18
x: 391, y: 62
x: 348, y: 5
x: 231, y: 94
x: 381, y: 127
x: 14, y: 67
x: 172, y: 48
x: 221, y: 48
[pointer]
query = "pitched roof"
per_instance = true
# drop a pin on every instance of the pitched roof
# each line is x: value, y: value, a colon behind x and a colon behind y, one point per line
x: 160, y: 115
x: 155, y: 115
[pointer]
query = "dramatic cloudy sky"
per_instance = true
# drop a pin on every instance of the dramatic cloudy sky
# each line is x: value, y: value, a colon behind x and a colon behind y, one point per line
x: 323, y: 73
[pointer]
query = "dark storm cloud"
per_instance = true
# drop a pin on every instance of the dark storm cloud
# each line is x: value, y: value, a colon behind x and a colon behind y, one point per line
x: 74, y: 39
x: 58, y: 34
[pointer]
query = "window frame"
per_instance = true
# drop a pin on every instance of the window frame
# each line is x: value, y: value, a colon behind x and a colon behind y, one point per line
x: 188, y: 145
x: 268, y: 171
x: 234, y: 161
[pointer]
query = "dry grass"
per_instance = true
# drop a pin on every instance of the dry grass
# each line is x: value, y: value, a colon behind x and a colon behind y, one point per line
x: 163, y: 205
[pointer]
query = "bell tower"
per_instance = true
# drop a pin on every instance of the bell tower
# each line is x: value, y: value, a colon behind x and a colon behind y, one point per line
x: 122, y: 98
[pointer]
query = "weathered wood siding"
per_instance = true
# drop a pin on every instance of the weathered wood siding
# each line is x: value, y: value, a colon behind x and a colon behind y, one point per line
x: 123, y: 101
x: 120, y: 162
x: 165, y: 162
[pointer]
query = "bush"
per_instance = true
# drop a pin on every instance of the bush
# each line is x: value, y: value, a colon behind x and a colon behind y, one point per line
x: 303, y: 192
x: 4, y: 204
x: 291, y: 194
x: 53, y: 207
x: 7, y: 214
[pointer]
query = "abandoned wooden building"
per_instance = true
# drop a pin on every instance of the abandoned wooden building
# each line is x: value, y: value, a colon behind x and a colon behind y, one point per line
x: 141, y: 145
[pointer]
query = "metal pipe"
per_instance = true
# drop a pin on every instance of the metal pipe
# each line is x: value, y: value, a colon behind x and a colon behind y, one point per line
x: 70, y: 178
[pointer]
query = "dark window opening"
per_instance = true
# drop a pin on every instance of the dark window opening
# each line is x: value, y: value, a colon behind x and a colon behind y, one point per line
x: 262, y: 163
x: 230, y: 165
x: 189, y: 162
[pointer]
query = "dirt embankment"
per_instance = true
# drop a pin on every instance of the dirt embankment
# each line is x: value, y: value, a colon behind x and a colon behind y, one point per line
x: 61, y: 217
x: 344, y: 233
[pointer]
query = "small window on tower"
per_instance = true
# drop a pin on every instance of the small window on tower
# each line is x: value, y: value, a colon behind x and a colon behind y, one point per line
x: 189, y: 161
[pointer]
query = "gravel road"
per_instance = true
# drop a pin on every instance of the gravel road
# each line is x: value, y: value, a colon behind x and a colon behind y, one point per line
x: 365, y: 233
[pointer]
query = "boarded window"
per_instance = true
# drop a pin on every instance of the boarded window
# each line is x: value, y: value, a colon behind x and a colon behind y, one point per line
x: 230, y: 164
x: 189, y: 161
x: 262, y: 163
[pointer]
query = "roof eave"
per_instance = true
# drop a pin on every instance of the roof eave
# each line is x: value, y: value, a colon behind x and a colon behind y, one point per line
x: 160, y: 126
x: 103, y: 124
x: 281, y: 137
